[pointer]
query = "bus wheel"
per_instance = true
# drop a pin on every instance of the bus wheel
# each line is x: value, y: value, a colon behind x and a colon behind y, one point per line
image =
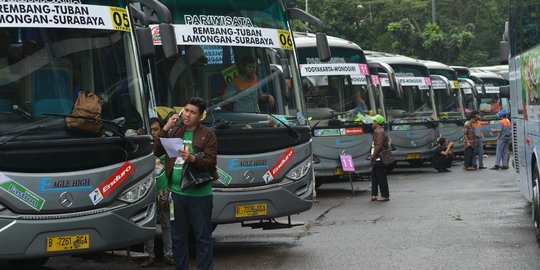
x: 29, y: 263
x: 536, y: 202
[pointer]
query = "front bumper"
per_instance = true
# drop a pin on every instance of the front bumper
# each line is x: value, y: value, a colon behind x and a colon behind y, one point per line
x: 282, y: 199
x: 107, y: 230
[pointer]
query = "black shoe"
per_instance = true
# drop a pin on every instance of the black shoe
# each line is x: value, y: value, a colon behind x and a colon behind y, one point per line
x: 481, y: 168
x: 148, y: 262
x: 168, y: 260
x: 496, y: 167
x: 504, y: 168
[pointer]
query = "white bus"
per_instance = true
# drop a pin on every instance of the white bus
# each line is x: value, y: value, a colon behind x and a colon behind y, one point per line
x: 339, y: 100
x: 63, y: 191
x: 521, y: 48
x: 411, y: 113
x: 264, y: 149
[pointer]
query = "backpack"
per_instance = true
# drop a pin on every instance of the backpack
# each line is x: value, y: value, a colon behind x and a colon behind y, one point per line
x: 87, y: 105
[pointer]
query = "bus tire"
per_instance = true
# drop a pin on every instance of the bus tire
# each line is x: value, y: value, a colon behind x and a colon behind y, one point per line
x: 318, y: 184
x: 29, y: 263
x: 536, y: 202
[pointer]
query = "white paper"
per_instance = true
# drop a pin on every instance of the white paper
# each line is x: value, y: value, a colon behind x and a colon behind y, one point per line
x: 172, y: 145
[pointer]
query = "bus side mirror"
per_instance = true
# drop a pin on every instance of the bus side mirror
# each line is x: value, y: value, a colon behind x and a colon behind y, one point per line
x: 504, y: 91
x: 144, y: 41
x: 322, y: 47
x: 504, y: 46
x: 168, y: 40
x: 504, y: 50
x: 284, y: 63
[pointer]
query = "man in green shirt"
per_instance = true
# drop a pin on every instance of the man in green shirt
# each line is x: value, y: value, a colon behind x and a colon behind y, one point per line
x: 192, y: 207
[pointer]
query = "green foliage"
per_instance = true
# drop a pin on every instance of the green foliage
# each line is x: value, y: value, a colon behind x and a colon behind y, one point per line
x: 466, y: 32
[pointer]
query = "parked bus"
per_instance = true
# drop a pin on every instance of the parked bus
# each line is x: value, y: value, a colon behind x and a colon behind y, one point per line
x: 339, y: 101
x: 264, y: 141
x: 410, y: 106
x: 449, y: 101
x: 521, y: 50
x: 489, y: 102
x: 63, y: 191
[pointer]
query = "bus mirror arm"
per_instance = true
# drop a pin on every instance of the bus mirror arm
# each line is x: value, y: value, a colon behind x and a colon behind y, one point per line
x: 322, y: 42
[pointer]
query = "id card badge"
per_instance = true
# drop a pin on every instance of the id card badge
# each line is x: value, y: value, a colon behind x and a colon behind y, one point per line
x: 171, y: 207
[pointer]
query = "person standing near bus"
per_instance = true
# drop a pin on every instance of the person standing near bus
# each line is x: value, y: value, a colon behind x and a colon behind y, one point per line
x: 468, y: 142
x: 192, y: 207
x: 504, y: 135
x: 162, y: 206
x: 478, y: 145
x: 378, y: 171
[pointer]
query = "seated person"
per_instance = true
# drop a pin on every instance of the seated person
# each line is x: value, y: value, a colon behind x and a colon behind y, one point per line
x: 495, y: 106
x: 361, y: 106
x: 243, y: 90
x: 442, y: 160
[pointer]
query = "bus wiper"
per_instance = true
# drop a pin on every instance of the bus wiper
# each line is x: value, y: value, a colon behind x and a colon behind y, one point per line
x: 23, y: 131
x: 292, y: 132
x: 104, y: 123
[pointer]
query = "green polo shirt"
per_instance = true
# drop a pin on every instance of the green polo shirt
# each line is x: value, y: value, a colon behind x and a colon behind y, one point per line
x: 176, y: 175
x: 161, y: 178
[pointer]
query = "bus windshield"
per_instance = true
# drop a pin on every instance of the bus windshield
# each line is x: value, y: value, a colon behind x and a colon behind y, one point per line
x: 337, y: 86
x: 239, y: 60
x: 416, y: 102
x: 448, y: 107
x: 44, y: 69
x: 489, y: 103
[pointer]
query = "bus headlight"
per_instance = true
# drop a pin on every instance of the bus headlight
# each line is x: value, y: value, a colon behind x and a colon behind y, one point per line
x: 301, y: 170
x: 138, y: 191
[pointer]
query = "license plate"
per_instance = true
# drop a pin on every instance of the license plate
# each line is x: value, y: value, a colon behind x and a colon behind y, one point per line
x: 338, y: 171
x: 68, y: 242
x: 412, y: 156
x: 251, y: 210
x: 491, y: 142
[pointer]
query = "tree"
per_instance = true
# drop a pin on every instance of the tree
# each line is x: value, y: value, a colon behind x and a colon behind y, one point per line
x: 466, y: 32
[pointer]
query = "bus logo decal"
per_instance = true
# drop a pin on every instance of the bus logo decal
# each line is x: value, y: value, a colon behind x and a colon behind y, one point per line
x: 111, y: 183
x: 236, y: 164
x: 21, y: 193
x: 279, y: 165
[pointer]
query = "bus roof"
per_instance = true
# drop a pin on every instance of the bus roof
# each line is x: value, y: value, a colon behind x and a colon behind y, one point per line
x: 303, y: 40
x: 499, y: 69
x: 389, y: 58
x: 436, y: 65
x: 484, y: 74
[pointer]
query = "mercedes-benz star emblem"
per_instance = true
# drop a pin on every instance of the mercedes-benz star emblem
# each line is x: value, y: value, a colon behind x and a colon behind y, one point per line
x: 248, y: 176
x: 66, y: 199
